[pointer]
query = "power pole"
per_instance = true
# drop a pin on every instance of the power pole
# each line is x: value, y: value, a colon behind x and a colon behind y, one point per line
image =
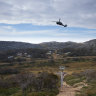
x: 62, y: 74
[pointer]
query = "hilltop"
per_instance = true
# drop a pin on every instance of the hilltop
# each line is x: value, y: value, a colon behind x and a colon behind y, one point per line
x: 8, y: 45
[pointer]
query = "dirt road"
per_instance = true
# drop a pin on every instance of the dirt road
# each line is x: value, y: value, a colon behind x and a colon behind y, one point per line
x: 70, y: 90
x: 67, y: 90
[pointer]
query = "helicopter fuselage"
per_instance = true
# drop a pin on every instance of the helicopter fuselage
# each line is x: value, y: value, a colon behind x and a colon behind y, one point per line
x: 59, y: 23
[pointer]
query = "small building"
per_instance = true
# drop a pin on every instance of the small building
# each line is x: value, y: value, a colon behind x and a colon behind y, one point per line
x: 25, y: 54
x: 49, y: 53
x: 10, y: 57
x: 19, y: 54
x: 29, y: 56
x: 67, y: 53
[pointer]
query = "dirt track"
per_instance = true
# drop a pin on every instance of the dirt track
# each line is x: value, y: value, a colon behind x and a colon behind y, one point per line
x: 67, y: 90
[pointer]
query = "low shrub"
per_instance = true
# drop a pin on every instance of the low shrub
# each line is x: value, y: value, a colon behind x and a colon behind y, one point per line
x: 8, y: 71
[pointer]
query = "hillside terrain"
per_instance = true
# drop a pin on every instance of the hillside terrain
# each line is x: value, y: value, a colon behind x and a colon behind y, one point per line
x: 9, y: 45
x: 75, y: 49
x: 31, y: 69
x: 6, y: 45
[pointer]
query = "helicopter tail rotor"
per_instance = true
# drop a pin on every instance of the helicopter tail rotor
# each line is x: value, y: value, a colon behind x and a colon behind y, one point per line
x: 65, y: 25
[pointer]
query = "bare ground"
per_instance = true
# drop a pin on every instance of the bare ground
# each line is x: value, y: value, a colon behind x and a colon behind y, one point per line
x: 67, y: 90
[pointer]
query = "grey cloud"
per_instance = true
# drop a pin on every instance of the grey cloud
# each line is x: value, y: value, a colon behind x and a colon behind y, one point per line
x: 79, y: 13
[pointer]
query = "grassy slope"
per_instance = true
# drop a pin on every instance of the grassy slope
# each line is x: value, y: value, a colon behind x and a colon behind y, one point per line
x: 72, y: 66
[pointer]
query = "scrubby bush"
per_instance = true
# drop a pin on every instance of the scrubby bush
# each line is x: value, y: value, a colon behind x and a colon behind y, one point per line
x: 90, y: 74
x: 9, y: 71
x: 8, y: 91
x: 74, y: 78
x: 42, y: 82
x: 31, y: 84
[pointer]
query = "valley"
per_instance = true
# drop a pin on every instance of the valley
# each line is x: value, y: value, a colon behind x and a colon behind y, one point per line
x: 33, y: 72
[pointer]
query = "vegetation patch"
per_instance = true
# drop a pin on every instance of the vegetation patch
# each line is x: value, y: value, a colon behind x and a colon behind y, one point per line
x: 72, y: 79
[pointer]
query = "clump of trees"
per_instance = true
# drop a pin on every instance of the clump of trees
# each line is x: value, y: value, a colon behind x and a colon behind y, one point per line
x: 37, y: 84
x: 83, y: 51
x: 34, y: 52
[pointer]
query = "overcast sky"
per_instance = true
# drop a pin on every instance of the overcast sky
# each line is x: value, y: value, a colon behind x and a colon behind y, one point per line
x: 31, y: 20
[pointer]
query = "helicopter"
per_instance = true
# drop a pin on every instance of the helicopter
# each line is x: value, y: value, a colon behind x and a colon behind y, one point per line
x: 60, y: 23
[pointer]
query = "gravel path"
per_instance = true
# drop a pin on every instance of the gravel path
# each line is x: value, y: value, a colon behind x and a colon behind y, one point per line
x: 67, y: 90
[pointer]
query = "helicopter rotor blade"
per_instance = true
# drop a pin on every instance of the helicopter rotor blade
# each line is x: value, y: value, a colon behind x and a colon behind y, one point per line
x: 59, y: 19
x: 54, y: 21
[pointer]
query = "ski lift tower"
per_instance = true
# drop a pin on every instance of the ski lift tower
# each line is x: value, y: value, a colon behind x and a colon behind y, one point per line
x: 62, y: 74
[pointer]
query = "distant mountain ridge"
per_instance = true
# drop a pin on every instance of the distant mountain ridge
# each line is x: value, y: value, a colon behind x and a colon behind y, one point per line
x: 8, y: 45
x: 60, y: 45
